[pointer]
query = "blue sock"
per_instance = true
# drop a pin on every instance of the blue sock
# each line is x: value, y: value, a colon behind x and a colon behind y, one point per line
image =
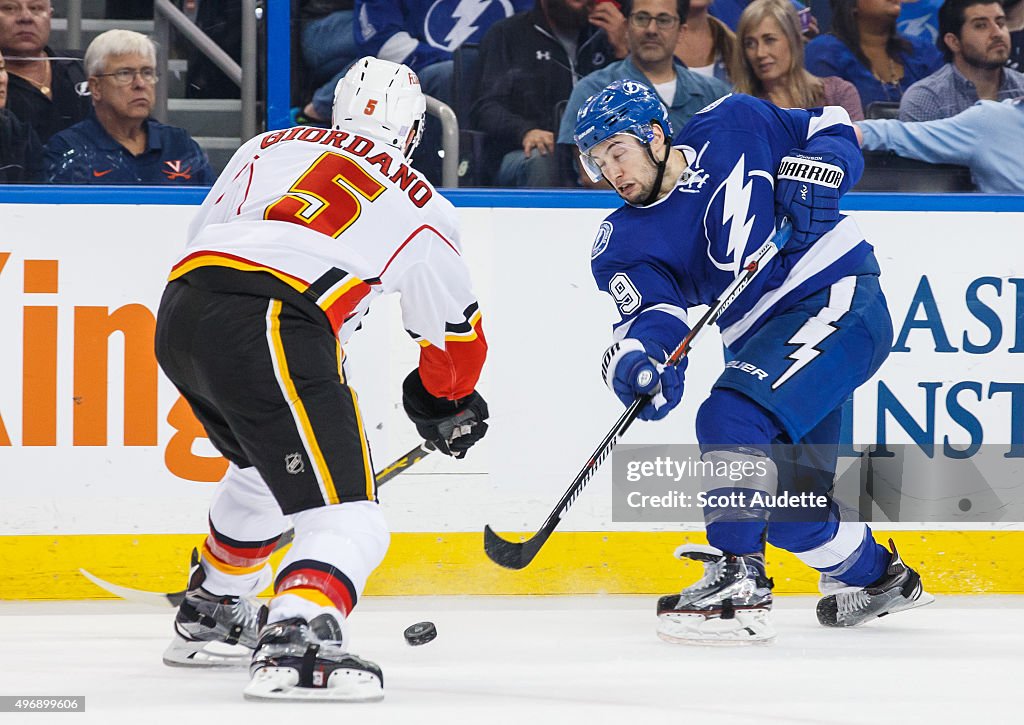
x: 870, y: 561
x: 737, y: 537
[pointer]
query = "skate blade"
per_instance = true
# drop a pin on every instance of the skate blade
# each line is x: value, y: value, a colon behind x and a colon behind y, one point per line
x: 924, y: 599
x: 183, y: 653
x: 746, y: 628
x: 282, y: 683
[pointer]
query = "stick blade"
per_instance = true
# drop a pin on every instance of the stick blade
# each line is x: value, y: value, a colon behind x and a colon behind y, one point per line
x: 153, y: 599
x: 509, y: 554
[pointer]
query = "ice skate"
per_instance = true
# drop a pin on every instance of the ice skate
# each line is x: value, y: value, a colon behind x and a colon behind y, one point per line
x: 299, y: 661
x: 212, y: 630
x: 731, y: 604
x: 899, y: 589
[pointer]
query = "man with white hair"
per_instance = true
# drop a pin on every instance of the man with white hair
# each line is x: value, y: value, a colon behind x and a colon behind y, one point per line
x: 303, y: 229
x: 120, y: 143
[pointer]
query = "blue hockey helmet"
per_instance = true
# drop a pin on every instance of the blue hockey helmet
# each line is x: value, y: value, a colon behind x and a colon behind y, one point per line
x: 622, y: 107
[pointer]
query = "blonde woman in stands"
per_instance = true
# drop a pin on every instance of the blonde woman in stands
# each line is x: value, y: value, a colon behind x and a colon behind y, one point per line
x: 769, y: 62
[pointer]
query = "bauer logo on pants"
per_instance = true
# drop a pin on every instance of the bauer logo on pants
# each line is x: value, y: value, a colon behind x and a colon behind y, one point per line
x: 293, y: 463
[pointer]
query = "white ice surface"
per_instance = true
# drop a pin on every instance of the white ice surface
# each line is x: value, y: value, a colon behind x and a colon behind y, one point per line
x: 533, y: 660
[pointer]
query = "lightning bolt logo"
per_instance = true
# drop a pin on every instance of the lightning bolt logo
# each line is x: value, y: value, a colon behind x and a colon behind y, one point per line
x: 735, y: 208
x: 919, y: 26
x: 466, y: 15
x: 817, y: 329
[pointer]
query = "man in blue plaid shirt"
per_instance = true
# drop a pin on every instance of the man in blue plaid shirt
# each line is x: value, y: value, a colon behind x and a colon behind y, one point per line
x: 975, y: 39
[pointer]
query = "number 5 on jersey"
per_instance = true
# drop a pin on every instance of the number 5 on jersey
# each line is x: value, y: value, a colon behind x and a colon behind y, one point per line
x: 326, y: 197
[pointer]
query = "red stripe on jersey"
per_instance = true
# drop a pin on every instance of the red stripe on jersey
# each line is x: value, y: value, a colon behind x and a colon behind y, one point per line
x: 339, y: 310
x: 335, y: 589
x: 409, y: 239
x: 248, y: 187
x: 453, y: 372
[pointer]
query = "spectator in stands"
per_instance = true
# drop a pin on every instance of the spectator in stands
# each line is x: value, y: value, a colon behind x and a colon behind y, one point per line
x: 865, y: 49
x: 529, y: 64
x: 121, y: 144
x: 328, y: 48
x: 976, y: 44
x: 706, y: 44
x: 407, y: 31
x: 423, y: 34
x: 43, y: 85
x: 1015, y: 24
x: 21, y: 154
x: 653, y: 32
x: 769, y: 63
x: 977, y: 138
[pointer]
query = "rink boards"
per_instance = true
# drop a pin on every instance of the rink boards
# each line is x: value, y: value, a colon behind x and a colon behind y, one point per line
x: 103, y: 467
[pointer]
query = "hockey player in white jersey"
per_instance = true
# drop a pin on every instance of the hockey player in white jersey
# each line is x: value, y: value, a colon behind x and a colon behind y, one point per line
x: 301, y: 231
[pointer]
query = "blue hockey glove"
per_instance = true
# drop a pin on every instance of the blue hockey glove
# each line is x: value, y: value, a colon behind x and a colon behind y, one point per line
x: 807, y: 191
x: 631, y: 370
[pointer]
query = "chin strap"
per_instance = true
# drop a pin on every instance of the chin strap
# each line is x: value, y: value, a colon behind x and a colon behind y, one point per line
x: 653, y: 195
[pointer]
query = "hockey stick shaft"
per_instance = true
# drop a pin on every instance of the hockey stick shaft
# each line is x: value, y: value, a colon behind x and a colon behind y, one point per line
x: 518, y: 555
x: 173, y: 599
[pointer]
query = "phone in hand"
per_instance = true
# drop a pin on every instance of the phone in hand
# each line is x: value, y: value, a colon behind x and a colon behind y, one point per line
x: 618, y: 5
x: 805, y: 19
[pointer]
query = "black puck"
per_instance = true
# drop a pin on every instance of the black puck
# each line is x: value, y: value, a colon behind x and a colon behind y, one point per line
x: 420, y: 633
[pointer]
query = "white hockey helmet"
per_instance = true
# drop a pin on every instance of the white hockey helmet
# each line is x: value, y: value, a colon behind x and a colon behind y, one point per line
x: 382, y: 100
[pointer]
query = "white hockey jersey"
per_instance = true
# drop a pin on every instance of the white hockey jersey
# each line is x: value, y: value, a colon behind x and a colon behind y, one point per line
x: 341, y: 219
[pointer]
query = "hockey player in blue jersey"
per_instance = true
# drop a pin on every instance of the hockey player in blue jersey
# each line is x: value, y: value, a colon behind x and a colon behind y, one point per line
x: 808, y: 330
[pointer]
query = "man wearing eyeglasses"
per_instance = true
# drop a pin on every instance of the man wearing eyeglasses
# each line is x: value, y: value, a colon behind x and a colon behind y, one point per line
x: 652, y: 31
x: 121, y: 144
x: 43, y: 83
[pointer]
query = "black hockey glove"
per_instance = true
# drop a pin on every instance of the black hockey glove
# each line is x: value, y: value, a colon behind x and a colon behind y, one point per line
x: 453, y: 426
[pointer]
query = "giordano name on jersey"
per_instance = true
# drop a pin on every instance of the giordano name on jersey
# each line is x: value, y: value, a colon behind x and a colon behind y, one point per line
x: 403, y: 176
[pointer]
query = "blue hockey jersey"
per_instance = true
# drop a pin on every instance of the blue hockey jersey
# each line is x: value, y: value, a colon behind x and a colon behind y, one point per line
x: 423, y: 32
x: 685, y: 249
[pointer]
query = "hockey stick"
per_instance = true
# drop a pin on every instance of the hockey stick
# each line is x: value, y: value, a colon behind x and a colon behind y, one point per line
x: 173, y: 599
x: 513, y: 555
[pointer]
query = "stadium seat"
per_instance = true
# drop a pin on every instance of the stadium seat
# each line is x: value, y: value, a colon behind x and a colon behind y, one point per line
x: 885, y: 171
x: 882, y: 109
